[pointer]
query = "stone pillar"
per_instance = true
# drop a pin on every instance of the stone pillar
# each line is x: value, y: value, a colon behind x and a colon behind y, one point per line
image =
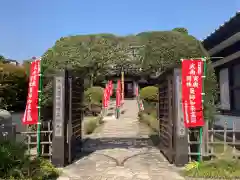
x: 181, y: 133
x: 59, y: 147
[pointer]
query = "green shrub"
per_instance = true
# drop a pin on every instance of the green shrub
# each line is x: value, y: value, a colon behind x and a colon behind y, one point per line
x: 13, y: 88
x: 93, y: 100
x: 16, y: 164
x: 91, y: 124
x: 149, y: 120
x: 216, y: 169
x: 150, y: 108
x: 149, y: 93
x: 93, y: 95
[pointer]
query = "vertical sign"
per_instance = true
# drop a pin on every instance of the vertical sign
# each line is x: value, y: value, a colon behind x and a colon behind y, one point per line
x: 58, y: 109
x: 31, y: 111
x: 181, y: 131
x: 60, y: 117
x: 192, y: 73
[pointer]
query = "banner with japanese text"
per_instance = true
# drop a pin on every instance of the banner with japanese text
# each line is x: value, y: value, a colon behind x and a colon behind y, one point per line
x: 31, y: 111
x: 105, y: 98
x: 192, y: 74
x: 111, y: 87
x: 136, y: 90
x: 118, y: 94
x: 118, y: 98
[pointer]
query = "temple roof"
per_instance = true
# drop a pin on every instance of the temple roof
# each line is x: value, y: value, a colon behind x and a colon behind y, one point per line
x: 226, y: 23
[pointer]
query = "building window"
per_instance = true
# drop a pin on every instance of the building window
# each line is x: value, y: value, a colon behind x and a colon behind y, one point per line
x: 224, y: 89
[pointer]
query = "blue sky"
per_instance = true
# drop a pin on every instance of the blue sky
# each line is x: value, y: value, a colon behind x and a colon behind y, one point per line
x: 29, y: 27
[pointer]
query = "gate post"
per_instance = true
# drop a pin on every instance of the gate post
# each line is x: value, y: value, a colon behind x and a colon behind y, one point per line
x: 181, y: 133
x: 60, y: 115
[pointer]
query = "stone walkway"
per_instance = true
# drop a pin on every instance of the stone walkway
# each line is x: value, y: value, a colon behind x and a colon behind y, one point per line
x: 121, y: 151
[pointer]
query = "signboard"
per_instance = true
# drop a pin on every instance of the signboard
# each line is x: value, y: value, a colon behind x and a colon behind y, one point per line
x: 59, y: 106
x: 192, y: 73
x: 31, y: 112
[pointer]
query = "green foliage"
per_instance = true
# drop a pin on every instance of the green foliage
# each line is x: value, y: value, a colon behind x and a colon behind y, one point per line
x: 2, y: 59
x: 94, y: 51
x: 150, y: 108
x: 16, y: 164
x: 149, y: 120
x: 91, y: 124
x: 98, y: 54
x: 26, y: 64
x: 14, y: 84
x: 164, y: 49
x: 217, y: 169
x: 94, y: 95
x: 149, y: 93
x: 181, y: 30
x: 93, y: 100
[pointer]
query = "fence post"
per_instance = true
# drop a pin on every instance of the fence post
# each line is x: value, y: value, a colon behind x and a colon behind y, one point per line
x: 60, y: 116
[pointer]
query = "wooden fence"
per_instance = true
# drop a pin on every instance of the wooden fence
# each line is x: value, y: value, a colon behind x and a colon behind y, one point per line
x: 29, y: 137
x: 218, y: 141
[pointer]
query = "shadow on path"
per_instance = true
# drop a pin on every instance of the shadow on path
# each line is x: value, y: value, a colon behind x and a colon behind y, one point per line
x: 110, y: 143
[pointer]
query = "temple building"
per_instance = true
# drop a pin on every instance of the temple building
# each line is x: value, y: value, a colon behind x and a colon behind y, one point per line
x: 223, y: 45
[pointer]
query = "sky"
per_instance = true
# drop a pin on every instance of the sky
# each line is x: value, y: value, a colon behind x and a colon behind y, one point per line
x: 29, y: 27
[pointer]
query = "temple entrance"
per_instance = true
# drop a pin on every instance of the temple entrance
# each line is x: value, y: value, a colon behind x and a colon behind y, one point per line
x: 128, y: 89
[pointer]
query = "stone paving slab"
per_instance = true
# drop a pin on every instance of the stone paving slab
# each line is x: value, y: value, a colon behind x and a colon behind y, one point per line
x: 121, y: 151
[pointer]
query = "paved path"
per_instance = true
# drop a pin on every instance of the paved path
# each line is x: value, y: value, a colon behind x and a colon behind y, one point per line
x: 121, y: 151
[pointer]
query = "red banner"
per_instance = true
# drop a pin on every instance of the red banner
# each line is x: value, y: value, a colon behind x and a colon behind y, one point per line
x: 105, y: 98
x: 118, y: 98
x: 136, y: 90
x: 192, y: 72
x: 111, y: 87
x: 118, y: 94
x: 31, y: 111
x: 119, y: 85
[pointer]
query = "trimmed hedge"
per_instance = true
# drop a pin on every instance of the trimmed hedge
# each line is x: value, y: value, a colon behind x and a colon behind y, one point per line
x: 93, y: 100
x: 149, y: 93
x: 94, y: 95
x: 90, y: 125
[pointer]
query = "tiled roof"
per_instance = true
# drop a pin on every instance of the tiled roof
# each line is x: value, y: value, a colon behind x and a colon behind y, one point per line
x: 223, y: 25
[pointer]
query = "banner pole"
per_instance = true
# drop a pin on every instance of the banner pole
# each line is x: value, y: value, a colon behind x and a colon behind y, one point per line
x: 122, y: 93
x: 39, y: 110
x: 203, y: 93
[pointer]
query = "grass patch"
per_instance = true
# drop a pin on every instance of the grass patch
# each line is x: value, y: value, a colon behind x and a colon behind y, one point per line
x: 223, y: 166
x: 215, y: 169
x: 91, y: 124
x: 223, y: 153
